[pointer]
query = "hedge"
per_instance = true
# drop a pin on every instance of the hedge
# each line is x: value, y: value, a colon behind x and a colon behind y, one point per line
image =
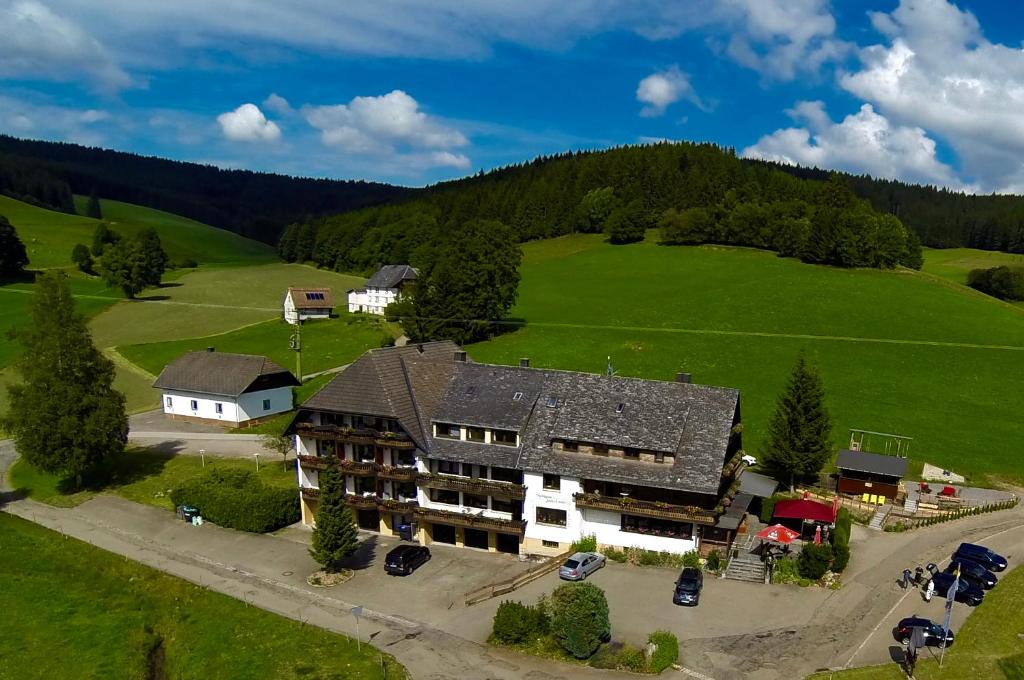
x: 237, y: 499
x: 516, y: 623
x: 666, y: 650
x: 841, y: 540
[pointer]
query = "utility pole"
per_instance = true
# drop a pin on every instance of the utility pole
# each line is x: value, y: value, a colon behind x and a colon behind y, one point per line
x: 296, y: 344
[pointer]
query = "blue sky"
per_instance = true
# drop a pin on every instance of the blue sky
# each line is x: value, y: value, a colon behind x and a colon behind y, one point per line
x: 412, y: 92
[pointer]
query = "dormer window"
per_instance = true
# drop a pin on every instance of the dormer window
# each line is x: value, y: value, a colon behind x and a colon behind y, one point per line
x: 517, y: 396
x: 569, y: 445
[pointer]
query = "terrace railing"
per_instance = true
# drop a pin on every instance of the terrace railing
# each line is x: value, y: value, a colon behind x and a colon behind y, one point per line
x: 473, y: 521
x: 399, y: 473
x: 483, y: 487
x: 632, y: 506
x: 356, y: 435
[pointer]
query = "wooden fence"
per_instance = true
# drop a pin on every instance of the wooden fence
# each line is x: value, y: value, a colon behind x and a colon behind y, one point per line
x: 507, y: 586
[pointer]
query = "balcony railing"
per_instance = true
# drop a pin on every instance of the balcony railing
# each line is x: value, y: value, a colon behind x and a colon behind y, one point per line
x: 312, y: 462
x: 361, y: 502
x: 356, y: 435
x: 358, y: 468
x: 632, y: 506
x: 396, y: 505
x: 309, y: 493
x: 483, y: 487
x: 509, y: 526
x: 399, y: 473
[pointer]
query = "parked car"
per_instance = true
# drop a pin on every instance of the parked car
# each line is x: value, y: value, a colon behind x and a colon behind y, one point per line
x: 405, y: 559
x: 581, y: 565
x: 688, y: 587
x: 932, y: 631
x: 967, y: 591
x: 973, y: 571
x: 981, y: 555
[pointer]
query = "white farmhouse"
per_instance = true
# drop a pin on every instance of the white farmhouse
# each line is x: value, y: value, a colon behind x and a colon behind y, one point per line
x: 301, y: 304
x: 222, y: 388
x: 381, y: 289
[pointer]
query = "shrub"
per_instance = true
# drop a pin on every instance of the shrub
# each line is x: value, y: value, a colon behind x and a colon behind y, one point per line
x: 714, y: 562
x: 631, y: 659
x: 785, y: 571
x: 237, y: 499
x: 840, y: 540
x: 616, y: 555
x: 516, y: 623
x: 586, y: 544
x: 579, y: 618
x: 841, y: 556
x: 814, y: 561
x: 691, y: 559
x: 804, y: 582
x: 666, y: 650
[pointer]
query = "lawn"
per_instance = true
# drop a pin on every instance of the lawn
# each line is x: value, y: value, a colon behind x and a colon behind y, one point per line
x: 988, y: 646
x: 898, y: 351
x: 325, y: 344
x: 75, y: 611
x: 142, y: 475
x: 955, y: 263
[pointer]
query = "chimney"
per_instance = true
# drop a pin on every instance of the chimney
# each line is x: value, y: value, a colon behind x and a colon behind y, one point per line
x: 524, y: 362
x: 210, y: 349
x: 460, y: 356
x: 419, y: 348
x: 683, y: 378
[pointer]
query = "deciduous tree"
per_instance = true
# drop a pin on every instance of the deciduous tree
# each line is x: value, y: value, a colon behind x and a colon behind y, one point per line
x: 335, y: 536
x: 13, y: 256
x: 65, y: 415
x: 799, y: 432
x: 82, y: 258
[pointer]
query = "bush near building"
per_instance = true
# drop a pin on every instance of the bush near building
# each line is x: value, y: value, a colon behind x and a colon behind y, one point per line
x: 237, y: 499
x: 666, y: 650
x: 814, y: 560
x: 840, y: 540
x: 516, y: 623
x: 579, y: 618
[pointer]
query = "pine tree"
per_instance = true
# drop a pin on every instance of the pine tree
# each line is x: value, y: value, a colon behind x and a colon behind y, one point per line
x: 798, y: 434
x: 13, y: 256
x: 64, y: 415
x: 82, y: 258
x: 154, y: 259
x: 335, y: 535
x: 92, y: 208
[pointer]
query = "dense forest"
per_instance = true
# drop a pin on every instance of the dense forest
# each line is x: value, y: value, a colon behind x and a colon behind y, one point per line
x: 621, y: 191
x: 254, y: 204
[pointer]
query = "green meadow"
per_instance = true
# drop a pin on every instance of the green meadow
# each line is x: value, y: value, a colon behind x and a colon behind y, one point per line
x: 898, y: 352
x: 955, y: 263
x: 75, y: 611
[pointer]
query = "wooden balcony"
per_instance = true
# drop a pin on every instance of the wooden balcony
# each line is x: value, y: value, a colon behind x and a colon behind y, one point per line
x: 632, y: 506
x: 472, y: 521
x: 395, y: 505
x: 398, y: 473
x: 361, y: 502
x: 358, y: 468
x: 356, y: 435
x: 482, y: 487
x: 312, y: 462
x: 309, y: 493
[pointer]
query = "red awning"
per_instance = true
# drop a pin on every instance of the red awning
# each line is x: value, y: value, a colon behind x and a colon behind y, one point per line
x: 804, y: 509
x: 778, y: 534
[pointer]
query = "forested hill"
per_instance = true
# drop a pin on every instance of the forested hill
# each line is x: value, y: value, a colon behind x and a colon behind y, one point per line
x: 545, y: 197
x: 256, y: 205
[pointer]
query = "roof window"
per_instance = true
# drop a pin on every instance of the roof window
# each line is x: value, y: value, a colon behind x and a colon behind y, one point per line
x: 620, y: 407
x: 517, y: 396
x: 552, y: 401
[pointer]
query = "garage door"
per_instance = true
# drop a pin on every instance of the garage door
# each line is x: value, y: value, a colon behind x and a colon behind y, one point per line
x: 443, y: 533
x: 508, y: 543
x: 475, y: 538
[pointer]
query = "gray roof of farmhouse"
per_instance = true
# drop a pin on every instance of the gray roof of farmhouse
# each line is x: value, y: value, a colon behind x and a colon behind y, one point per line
x: 391, y: 276
x: 875, y: 463
x: 222, y: 374
x: 693, y: 422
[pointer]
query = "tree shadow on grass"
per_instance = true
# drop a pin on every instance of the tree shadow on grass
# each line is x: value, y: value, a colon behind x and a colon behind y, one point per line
x: 170, y: 284
x: 12, y: 496
x: 135, y: 464
x: 364, y: 555
x: 152, y: 298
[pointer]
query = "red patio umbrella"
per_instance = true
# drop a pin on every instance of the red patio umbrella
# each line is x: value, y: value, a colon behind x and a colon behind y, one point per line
x: 778, y: 534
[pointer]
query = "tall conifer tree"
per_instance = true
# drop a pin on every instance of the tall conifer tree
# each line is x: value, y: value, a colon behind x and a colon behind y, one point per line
x: 799, y: 433
x: 335, y: 535
x: 92, y: 208
x: 64, y: 414
x: 13, y: 256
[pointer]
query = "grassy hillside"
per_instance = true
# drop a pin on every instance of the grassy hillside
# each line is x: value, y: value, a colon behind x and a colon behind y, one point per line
x: 899, y: 352
x: 49, y: 236
x: 75, y: 611
x: 955, y: 263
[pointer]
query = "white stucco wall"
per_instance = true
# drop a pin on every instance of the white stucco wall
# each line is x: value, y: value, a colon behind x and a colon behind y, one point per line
x: 538, y: 496
x: 247, y: 407
x: 606, y: 526
x: 309, y: 313
x: 372, y: 301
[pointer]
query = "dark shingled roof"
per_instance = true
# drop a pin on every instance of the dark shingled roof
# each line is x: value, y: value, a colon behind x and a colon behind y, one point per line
x: 391, y: 276
x: 758, y: 485
x: 876, y: 463
x: 377, y: 384
x: 484, y: 395
x: 222, y: 374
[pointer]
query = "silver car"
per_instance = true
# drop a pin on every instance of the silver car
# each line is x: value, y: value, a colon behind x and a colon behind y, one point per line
x: 580, y: 566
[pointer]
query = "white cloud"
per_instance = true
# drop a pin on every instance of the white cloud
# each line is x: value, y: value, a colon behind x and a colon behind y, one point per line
x: 864, y: 142
x: 248, y: 124
x: 662, y: 89
x: 40, y: 43
x: 386, y: 125
x: 278, y: 105
x: 46, y: 121
x: 939, y: 72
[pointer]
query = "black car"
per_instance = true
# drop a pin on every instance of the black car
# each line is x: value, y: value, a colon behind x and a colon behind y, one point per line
x: 404, y: 559
x: 967, y: 591
x: 973, y: 571
x: 981, y: 555
x: 688, y: 587
x: 932, y: 631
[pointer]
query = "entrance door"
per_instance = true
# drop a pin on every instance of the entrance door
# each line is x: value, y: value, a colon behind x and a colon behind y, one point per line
x: 508, y: 543
x: 443, y: 533
x: 368, y: 519
x: 475, y: 538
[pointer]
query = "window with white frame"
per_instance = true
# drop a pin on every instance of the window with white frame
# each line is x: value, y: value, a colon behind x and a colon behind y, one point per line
x: 195, y: 405
x: 551, y: 516
x: 170, y: 403
x: 218, y: 408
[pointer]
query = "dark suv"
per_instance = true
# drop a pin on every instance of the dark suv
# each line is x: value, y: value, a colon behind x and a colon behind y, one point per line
x: 404, y: 559
x: 688, y: 587
x: 973, y: 571
x: 967, y: 591
x: 981, y: 555
x: 932, y: 631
